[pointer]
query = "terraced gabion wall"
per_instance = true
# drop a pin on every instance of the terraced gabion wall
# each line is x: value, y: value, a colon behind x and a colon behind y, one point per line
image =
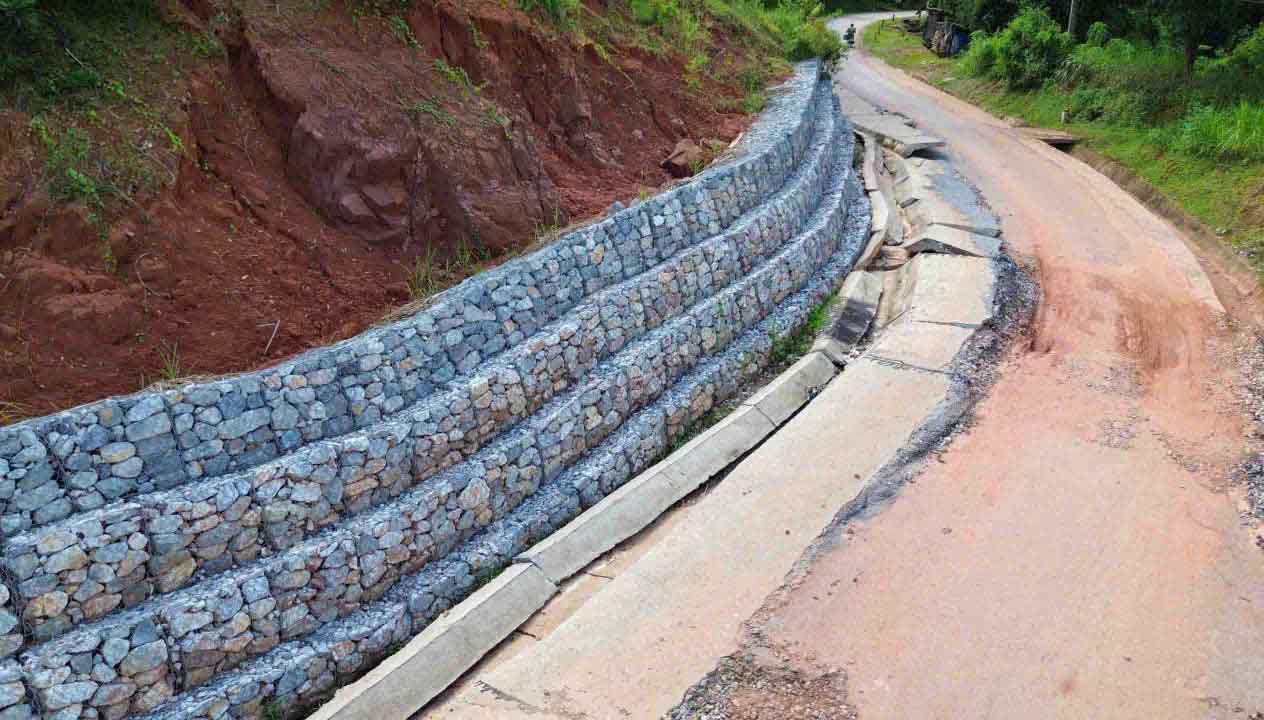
x: 251, y: 542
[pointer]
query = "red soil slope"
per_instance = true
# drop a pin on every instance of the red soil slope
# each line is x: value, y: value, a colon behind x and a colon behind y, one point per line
x: 323, y: 156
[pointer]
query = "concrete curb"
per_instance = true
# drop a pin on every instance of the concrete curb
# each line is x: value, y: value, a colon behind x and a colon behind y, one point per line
x: 779, y: 399
x: 404, y: 682
x: 630, y: 509
x: 852, y: 317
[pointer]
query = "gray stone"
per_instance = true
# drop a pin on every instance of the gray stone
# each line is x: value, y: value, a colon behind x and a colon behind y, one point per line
x: 115, y: 649
x: 60, y: 696
x: 148, y: 428
x: 72, y: 558
x: 113, y: 694
x: 129, y: 468
x: 11, y: 693
x: 146, y: 657
x: 145, y: 407
x: 244, y: 423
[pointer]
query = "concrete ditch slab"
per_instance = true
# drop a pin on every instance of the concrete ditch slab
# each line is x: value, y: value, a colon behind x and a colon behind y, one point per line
x: 782, y: 397
x: 954, y: 241
x: 854, y: 314
x: 412, y: 677
x: 932, y: 194
x: 949, y: 289
x: 896, y: 133
x: 628, y: 510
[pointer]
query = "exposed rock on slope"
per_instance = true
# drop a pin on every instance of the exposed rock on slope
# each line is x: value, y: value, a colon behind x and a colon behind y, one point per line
x: 321, y: 155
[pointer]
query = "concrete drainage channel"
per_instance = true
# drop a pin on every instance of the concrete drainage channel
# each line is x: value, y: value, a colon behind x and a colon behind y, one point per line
x: 932, y: 284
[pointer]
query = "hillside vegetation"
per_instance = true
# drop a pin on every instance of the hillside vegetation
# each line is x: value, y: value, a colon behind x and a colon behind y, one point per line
x: 197, y: 187
x: 1192, y: 125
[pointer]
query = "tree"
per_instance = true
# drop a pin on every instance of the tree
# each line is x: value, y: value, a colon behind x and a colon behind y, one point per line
x: 1195, y: 22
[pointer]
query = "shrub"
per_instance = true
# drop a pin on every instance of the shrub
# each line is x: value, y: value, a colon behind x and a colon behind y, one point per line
x: 1030, y: 49
x: 1146, y: 84
x: 1098, y: 34
x: 561, y: 11
x: 675, y: 21
x: 991, y: 15
x: 1237, y: 75
x: 801, y: 30
x: 980, y: 57
x: 813, y: 39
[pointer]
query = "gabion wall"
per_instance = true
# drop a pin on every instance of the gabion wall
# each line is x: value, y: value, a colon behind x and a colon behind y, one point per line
x: 257, y: 540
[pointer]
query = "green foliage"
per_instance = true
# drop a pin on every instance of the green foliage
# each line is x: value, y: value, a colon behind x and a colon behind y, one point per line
x: 52, y: 50
x: 1132, y: 84
x: 787, y: 348
x: 423, y: 279
x: 1229, y: 134
x: 561, y: 12
x: 990, y: 15
x: 676, y: 21
x: 403, y: 32
x: 1098, y: 34
x: 67, y: 156
x: 800, y: 28
x: 170, y: 357
x: 274, y: 710
x: 980, y: 58
x: 457, y: 76
x: 1023, y: 55
x: 1237, y: 74
x: 431, y: 108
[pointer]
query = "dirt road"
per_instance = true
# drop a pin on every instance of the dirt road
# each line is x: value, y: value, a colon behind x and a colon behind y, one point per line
x: 1076, y: 553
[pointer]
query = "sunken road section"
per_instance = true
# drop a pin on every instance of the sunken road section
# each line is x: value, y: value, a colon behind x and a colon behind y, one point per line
x: 246, y: 545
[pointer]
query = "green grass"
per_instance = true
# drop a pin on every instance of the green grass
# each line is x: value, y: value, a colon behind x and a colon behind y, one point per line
x: 788, y: 348
x: 1226, y: 195
x: 698, y: 426
x: 96, y: 80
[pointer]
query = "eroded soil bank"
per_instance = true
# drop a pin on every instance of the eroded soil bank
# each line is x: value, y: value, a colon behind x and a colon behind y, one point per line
x: 322, y: 155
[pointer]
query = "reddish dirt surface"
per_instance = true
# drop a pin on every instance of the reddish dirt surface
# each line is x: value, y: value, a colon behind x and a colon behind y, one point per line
x: 323, y: 157
x: 1079, y: 551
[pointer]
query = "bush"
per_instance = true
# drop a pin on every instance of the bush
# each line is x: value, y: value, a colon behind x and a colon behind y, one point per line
x: 561, y: 11
x: 1030, y: 49
x: 24, y: 35
x: 1098, y: 34
x: 795, y: 26
x: 813, y: 39
x: 980, y: 57
x: 1142, y: 84
x: 675, y: 21
x: 1237, y: 75
x: 991, y: 15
